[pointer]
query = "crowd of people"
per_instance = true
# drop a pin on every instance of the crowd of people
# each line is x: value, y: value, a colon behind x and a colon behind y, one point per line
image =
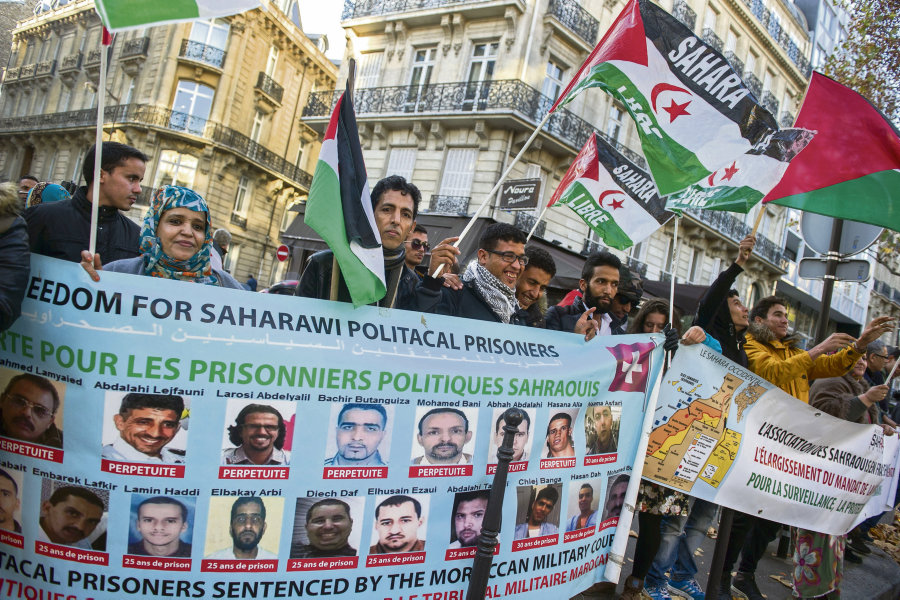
x: 506, y: 282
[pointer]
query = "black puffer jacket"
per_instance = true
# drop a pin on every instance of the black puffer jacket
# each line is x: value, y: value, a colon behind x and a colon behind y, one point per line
x: 63, y: 229
x: 433, y: 297
x: 316, y: 282
x: 564, y: 318
x: 714, y: 316
x: 14, y: 262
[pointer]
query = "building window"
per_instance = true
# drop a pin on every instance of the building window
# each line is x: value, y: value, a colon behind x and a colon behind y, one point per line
x: 731, y: 40
x: 553, y: 80
x: 615, y: 124
x: 769, y: 81
x: 710, y: 19
x: 211, y: 33
x: 129, y: 95
x: 369, y: 69
x: 420, y: 77
x: 232, y: 256
x: 288, y: 216
x: 272, y: 61
x: 750, y: 67
x: 256, y: 130
x: 175, y: 169
x: 481, y: 71
x: 401, y: 162
x: 51, y: 167
x: 301, y: 152
x: 696, y: 265
x: 242, y: 198
x: 459, y: 169
x: 193, y: 102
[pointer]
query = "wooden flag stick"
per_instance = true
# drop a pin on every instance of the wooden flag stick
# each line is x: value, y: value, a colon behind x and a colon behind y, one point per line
x: 335, y: 267
x: 759, y: 218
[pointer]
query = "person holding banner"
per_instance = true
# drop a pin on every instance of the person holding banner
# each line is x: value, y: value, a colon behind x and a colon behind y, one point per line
x: 532, y: 284
x: 175, y: 242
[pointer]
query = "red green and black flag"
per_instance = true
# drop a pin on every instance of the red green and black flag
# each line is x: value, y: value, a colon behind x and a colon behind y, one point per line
x: 340, y: 208
x: 694, y: 115
x: 851, y: 169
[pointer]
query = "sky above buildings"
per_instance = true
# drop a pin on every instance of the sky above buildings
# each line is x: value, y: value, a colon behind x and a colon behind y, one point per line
x: 324, y: 16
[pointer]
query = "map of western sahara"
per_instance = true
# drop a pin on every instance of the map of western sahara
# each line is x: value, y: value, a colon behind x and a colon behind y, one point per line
x: 691, y: 439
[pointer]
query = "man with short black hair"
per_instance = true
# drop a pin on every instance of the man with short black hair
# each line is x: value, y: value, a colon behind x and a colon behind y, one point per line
x: 63, y: 229
x: 443, y: 432
x: 488, y: 290
x: 397, y: 521
x: 28, y: 407
x: 258, y: 436
x: 559, y: 436
x: 146, y: 423
x: 532, y: 284
x: 586, y: 517
x: 248, y: 525
x: 360, y: 429
x: 588, y: 315
x: 469, y: 509
x: 416, y: 247
x: 627, y: 297
x: 9, y: 503
x: 520, y: 440
x: 69, y: 516
x: 536, y: 524
x: 328, y: 526
x: 395, y: 203
x: 161, y: 521
x: 25, y: 183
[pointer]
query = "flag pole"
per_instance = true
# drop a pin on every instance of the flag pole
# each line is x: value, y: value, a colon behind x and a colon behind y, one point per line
x: 105, y: 41
x: 494, y: 189
x: 759, y: 217
x: 335, y: 267
x: 536, y: 222
x: 674, y: 265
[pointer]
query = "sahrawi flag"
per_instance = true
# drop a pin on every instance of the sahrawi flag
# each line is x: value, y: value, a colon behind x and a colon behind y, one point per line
x: 612, y: 195
x: 851, y: 170
x: 339, y: 207
x: 693, y: 113
x: 743, y: 183
x: 125, y: 14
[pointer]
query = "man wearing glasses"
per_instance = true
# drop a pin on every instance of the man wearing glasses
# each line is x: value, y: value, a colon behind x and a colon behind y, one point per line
x: 29, y: 405
x: 258, y: 435
x: 489, y: 283
x: 416, y: 247
x: 248, y: 525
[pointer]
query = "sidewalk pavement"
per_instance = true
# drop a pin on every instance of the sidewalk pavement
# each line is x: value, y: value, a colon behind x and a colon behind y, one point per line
x: 877, y: 578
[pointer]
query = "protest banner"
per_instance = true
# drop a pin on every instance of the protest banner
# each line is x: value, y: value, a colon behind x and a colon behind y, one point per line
x: 726, y: 435
x: 128, y: 435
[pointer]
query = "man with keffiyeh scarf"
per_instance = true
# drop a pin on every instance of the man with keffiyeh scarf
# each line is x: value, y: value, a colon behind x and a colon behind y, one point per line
x: 489, y: 283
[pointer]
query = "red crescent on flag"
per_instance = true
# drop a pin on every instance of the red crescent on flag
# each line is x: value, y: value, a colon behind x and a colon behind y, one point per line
x: 605, y: 194
x: 659, y: 88
x: 711, y: 176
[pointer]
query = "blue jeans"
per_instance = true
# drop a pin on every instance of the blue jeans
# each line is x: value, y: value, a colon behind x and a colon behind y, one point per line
x: 680, y: 537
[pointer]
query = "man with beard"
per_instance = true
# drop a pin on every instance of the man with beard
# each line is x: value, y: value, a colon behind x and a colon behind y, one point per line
x: 468, y: 515
x: 161, y: 521
x: 536, y: 524
x: 588, y: 315
x: 442, y: 433
x: 585, y: 517
x: 248, y: 525
x: 328, y: 526
x: 146, y: 423
x: 258, y: 435
x: 532, y: 284
x: 360, y: 429
x: 397, y: 521
x: 559, y: 436
x: 519, y: 441
x: 395, y: 203
x: 605, y: 441
x: 29, y: 404
x: 616, y: 497
x: 69, y: 516
x: 9, y: 502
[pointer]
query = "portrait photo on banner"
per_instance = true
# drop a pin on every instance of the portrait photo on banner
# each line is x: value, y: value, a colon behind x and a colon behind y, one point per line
x: 616, y: 486
x: 359, y: 434
x: 326, y: 527
x: 244, y: 525
x: 400, y: 523
x: 59, y: 501
x: 141, y: 427
x: 258, y: 433
x: 583, y: 504
x: 538, y: 509
x: 31, y: 408
x: 558, y: 437
x: 522, y: 442
x: 161, y: 526
x: 444, y: 436
x: 11, y: 500
x: 601, y: 429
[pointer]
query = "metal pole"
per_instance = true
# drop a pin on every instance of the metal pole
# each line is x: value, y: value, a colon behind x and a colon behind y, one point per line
x: 832, y: 259
x: 490, y: 526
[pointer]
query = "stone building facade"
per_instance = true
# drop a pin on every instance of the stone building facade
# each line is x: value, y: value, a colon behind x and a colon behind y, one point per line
x: 213, y: 103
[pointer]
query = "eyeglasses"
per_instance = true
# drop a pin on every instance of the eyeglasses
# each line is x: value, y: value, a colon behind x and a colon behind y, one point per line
x: 510, y: 257
x: 419, y: 244
x: 253, y: 519
x: 882, y: 356
x: 20, y: 403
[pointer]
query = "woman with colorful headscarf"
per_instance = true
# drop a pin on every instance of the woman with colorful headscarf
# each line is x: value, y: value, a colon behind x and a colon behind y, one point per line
x: 45, y: 193
x: 175, y: 242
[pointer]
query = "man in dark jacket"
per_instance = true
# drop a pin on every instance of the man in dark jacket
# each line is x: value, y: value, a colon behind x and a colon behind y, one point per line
x: 488, y: 291
x: 395, y: 203
x: 63, y: 229
x: 588, y: 315
x: 532, y: 284
x: 15, y: 258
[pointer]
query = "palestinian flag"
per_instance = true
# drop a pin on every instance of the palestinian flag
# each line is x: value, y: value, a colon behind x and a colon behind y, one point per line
x: 739, y: 186
x: 126, y: 14
x: 694, y: 115
x: 339, y: 207
x: 615, y: 198
x: 851, y: 170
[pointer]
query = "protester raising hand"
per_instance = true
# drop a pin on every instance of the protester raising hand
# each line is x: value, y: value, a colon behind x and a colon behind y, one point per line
x: 745, y: 249
x: 445, y: 253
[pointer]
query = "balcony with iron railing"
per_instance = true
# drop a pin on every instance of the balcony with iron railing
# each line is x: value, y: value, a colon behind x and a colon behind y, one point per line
x: 71, y: 62
x: 452, y: 205
x: 685, y: 14
x: 525, y: 221
x: 500, y: 98
x: 136, y: 47
x: 144, y: 115
x: 769, y: 102
x: 753, y: 84
x: 269, y: 87
x: 735, y: 229
x: 736, y: 63
x: 355, y: 9
x: 576, y: 19
x: 778, y: 33
x: 202, y: 53
x: 709, y: 36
